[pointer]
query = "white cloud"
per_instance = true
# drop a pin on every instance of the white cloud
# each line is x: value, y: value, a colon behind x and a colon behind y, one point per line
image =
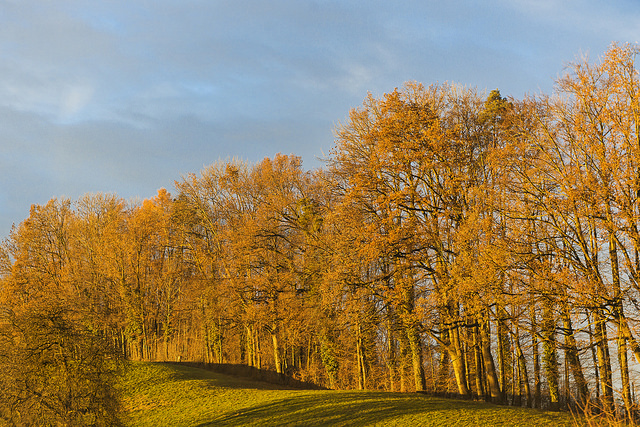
x: 125, y: 93
x: 75, y: 99
x: 60, y: 101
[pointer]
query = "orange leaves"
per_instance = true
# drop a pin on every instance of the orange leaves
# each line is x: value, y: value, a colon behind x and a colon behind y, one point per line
x: 150, y: 220
x: 438, y: 205
x: 411, y: 171
x: 248, y: 214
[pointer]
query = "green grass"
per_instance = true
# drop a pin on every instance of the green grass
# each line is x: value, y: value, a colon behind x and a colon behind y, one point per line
x: 172, y: 395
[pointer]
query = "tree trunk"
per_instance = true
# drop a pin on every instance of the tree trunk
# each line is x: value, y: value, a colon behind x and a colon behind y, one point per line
x: 416, y: 358
x: 391, y: 355
x: 489, y: 366
x: 458, y: 361
x: 594, y: 356
x: 550, y: 356
x: 362, y: 374
x: 444, y: 366
x: 537, y: 394
x: 479, y: 370
x: 249, y: 344
x: 623, y: 362
x: 328, y: 358
x: 404, y: 361
x: 503, y: 349
x: 573, y: 359
x: 522, y: 372
x: 413, y: 335
x: 604, y: 363
x: 256, y: 343
x: 277, y: 357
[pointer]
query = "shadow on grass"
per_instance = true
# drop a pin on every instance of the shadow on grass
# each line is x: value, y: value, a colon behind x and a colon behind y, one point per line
x: 369, y: 408
x: 181, y: 395
x: 334, y: 408
x: 167, y: 371
x: 255, y: 374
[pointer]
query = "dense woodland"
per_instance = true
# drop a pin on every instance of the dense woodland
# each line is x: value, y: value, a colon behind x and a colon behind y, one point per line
x: 455, y: 242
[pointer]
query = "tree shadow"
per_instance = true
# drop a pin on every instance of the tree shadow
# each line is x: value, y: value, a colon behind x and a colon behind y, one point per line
x: 187, y: 372
x: 380, y: 408
x: 320, y: 408
x: 333, y: 408
x: 255, y: 374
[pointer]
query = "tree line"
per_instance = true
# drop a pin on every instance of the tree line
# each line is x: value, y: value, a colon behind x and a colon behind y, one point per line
x: 454, y: 243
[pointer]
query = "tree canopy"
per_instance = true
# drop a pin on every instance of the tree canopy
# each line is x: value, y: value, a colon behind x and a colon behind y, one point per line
x: 456, y: 242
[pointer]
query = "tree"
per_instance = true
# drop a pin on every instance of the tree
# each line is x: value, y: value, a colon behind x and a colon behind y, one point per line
x: 248, y: 217
x: 55, y: 371
x: 578, y: 168
x: 56, y: 367
x: 411, y: 163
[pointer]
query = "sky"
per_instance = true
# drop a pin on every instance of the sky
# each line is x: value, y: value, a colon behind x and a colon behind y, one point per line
x: 129, y: 96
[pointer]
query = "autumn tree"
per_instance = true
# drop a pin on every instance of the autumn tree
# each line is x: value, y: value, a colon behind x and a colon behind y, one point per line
x: 57, y: 367
x: 579, y: 172
x: 412, y: 163
x: 248, y: 217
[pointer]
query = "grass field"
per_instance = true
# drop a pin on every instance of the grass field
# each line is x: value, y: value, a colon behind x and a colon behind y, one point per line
x: 159, y: 394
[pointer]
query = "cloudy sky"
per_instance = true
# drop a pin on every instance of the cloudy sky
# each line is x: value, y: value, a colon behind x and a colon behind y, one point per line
x: 127, y: 96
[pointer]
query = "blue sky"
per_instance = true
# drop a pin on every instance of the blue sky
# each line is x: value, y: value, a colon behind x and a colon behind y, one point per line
x: 127, y: 96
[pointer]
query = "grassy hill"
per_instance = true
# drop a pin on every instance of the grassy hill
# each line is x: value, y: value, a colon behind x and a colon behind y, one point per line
x: 159, y: 394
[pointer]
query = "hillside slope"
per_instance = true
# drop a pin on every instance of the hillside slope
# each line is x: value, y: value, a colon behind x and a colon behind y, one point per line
x: 159, y: 394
